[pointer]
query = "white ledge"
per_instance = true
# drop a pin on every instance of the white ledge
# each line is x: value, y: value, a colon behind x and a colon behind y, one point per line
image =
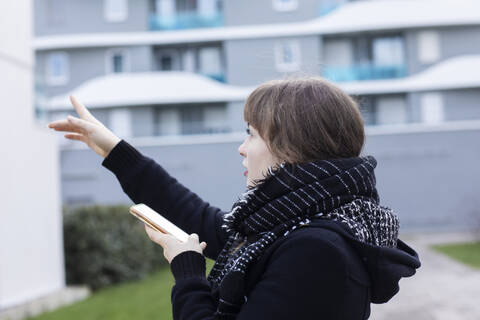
x: 149, y: 88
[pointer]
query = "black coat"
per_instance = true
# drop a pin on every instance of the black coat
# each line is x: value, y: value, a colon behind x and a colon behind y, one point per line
x: 318, y: 271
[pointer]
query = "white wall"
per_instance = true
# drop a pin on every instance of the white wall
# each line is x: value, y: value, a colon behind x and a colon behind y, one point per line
x: 31, y: 245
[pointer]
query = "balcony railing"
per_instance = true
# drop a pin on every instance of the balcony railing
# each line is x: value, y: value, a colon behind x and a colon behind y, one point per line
x: 364, y: 72
x: 188, y: 20
x: 329, y: 6
x: 215, y: 76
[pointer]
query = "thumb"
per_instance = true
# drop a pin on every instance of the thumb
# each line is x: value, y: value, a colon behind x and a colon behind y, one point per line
x: 203, y: 245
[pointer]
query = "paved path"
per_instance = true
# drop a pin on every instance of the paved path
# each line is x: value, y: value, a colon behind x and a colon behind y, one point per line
x: 442, y: 289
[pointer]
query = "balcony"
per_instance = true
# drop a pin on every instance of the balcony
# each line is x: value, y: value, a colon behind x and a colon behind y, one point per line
x: 187, y: 20
x: 364, y: 72
x: 215, y: 76
x: 328, y: 6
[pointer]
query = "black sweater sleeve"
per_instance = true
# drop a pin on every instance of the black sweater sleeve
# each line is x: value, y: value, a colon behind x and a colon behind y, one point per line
x: 305, y: 279
x: 145, y: 181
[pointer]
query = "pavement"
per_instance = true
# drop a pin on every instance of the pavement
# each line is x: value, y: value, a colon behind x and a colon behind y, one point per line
x: 442, y: 288
x: 52, y: 301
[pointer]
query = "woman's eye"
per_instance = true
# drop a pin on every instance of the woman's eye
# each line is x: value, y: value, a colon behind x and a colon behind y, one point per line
x: 248, y: 131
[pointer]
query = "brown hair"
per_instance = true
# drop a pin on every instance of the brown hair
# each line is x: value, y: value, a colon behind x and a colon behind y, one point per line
x: 306, y: 119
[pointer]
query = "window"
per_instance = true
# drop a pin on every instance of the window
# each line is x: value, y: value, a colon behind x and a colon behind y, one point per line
x: 383, y: 110
x: 186, y: 5
x: 209, y: 7
x: 432, y: 107
x: 117, y: 61
x: 215, y: 118
x: 338, y: 52
x: 367, y: 108
x: 168, y: 60
x: 116, y: 10
x: 198, y: 119
x: 164, y: 8
x: 57, y: 72
x: 428, y: 46
x: 209, y: 61
x: 391, y: 110
x: 379, y: 50
x: 188, y: 60
x: 287, y: 56
x: 120, y: 122
x: 388, y: 51
x: 191, y: 119
x: 166, y: 121
x: 285, y: 5
x: 365, y: 58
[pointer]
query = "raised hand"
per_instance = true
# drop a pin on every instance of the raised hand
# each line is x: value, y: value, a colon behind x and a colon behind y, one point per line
x: 87, y: 129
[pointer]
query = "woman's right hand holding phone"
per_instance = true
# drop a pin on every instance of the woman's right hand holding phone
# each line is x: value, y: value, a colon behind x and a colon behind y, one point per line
x: 87, y: 129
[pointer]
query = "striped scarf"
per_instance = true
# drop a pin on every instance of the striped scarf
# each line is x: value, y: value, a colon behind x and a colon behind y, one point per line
x: 289, y: 196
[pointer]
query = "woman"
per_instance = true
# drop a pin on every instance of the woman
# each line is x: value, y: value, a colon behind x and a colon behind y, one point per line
x: 308, y: 238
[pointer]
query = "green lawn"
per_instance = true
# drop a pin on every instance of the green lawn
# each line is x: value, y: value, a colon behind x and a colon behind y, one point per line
x: 148, y: 298
x: 468, y: 253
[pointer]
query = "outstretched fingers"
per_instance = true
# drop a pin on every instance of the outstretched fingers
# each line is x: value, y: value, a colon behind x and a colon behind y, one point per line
x: 64, y: 125
x: 82, y: 110
x: 81, y: 124
x: 74, y: 136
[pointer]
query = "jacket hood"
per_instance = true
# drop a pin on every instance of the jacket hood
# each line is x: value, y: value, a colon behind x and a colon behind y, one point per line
x: 385, y: 265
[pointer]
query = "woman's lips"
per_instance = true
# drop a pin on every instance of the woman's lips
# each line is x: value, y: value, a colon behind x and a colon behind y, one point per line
x: 245, y: 173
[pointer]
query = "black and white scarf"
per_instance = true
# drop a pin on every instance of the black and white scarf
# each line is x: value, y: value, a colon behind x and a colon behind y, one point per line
x: 290, y: 196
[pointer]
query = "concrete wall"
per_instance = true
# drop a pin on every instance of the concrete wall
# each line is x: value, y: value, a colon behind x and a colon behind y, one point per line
x: 213, y: 171
x: 427, y: 177
x: 85, y: 64
x: 86, y: 16
x: 31, y: 233
x: 252, y: 61
x: 248, y: 12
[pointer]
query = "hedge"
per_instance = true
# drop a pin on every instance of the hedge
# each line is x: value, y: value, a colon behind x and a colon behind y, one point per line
x: 105, y: 245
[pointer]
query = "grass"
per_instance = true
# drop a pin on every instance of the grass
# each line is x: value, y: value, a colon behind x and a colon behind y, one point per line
x: 468, y: 253
x: 148, y: 298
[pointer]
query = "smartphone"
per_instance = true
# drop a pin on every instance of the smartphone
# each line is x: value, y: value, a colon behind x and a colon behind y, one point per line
x: 157, y: 221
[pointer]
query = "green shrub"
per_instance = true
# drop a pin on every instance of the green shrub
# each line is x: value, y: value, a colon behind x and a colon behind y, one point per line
x: 106, y: 245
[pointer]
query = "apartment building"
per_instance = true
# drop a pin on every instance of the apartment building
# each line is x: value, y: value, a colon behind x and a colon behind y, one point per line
x: 171, y: 76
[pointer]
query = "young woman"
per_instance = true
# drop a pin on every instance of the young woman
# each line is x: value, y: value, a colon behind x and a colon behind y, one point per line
x: 308, y: 239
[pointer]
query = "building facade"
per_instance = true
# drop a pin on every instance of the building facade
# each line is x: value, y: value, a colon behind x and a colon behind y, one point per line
x: 171, y: 77
x: 31, y: 237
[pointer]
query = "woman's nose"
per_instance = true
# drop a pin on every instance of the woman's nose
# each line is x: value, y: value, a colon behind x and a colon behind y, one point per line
x: 241, y: 150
